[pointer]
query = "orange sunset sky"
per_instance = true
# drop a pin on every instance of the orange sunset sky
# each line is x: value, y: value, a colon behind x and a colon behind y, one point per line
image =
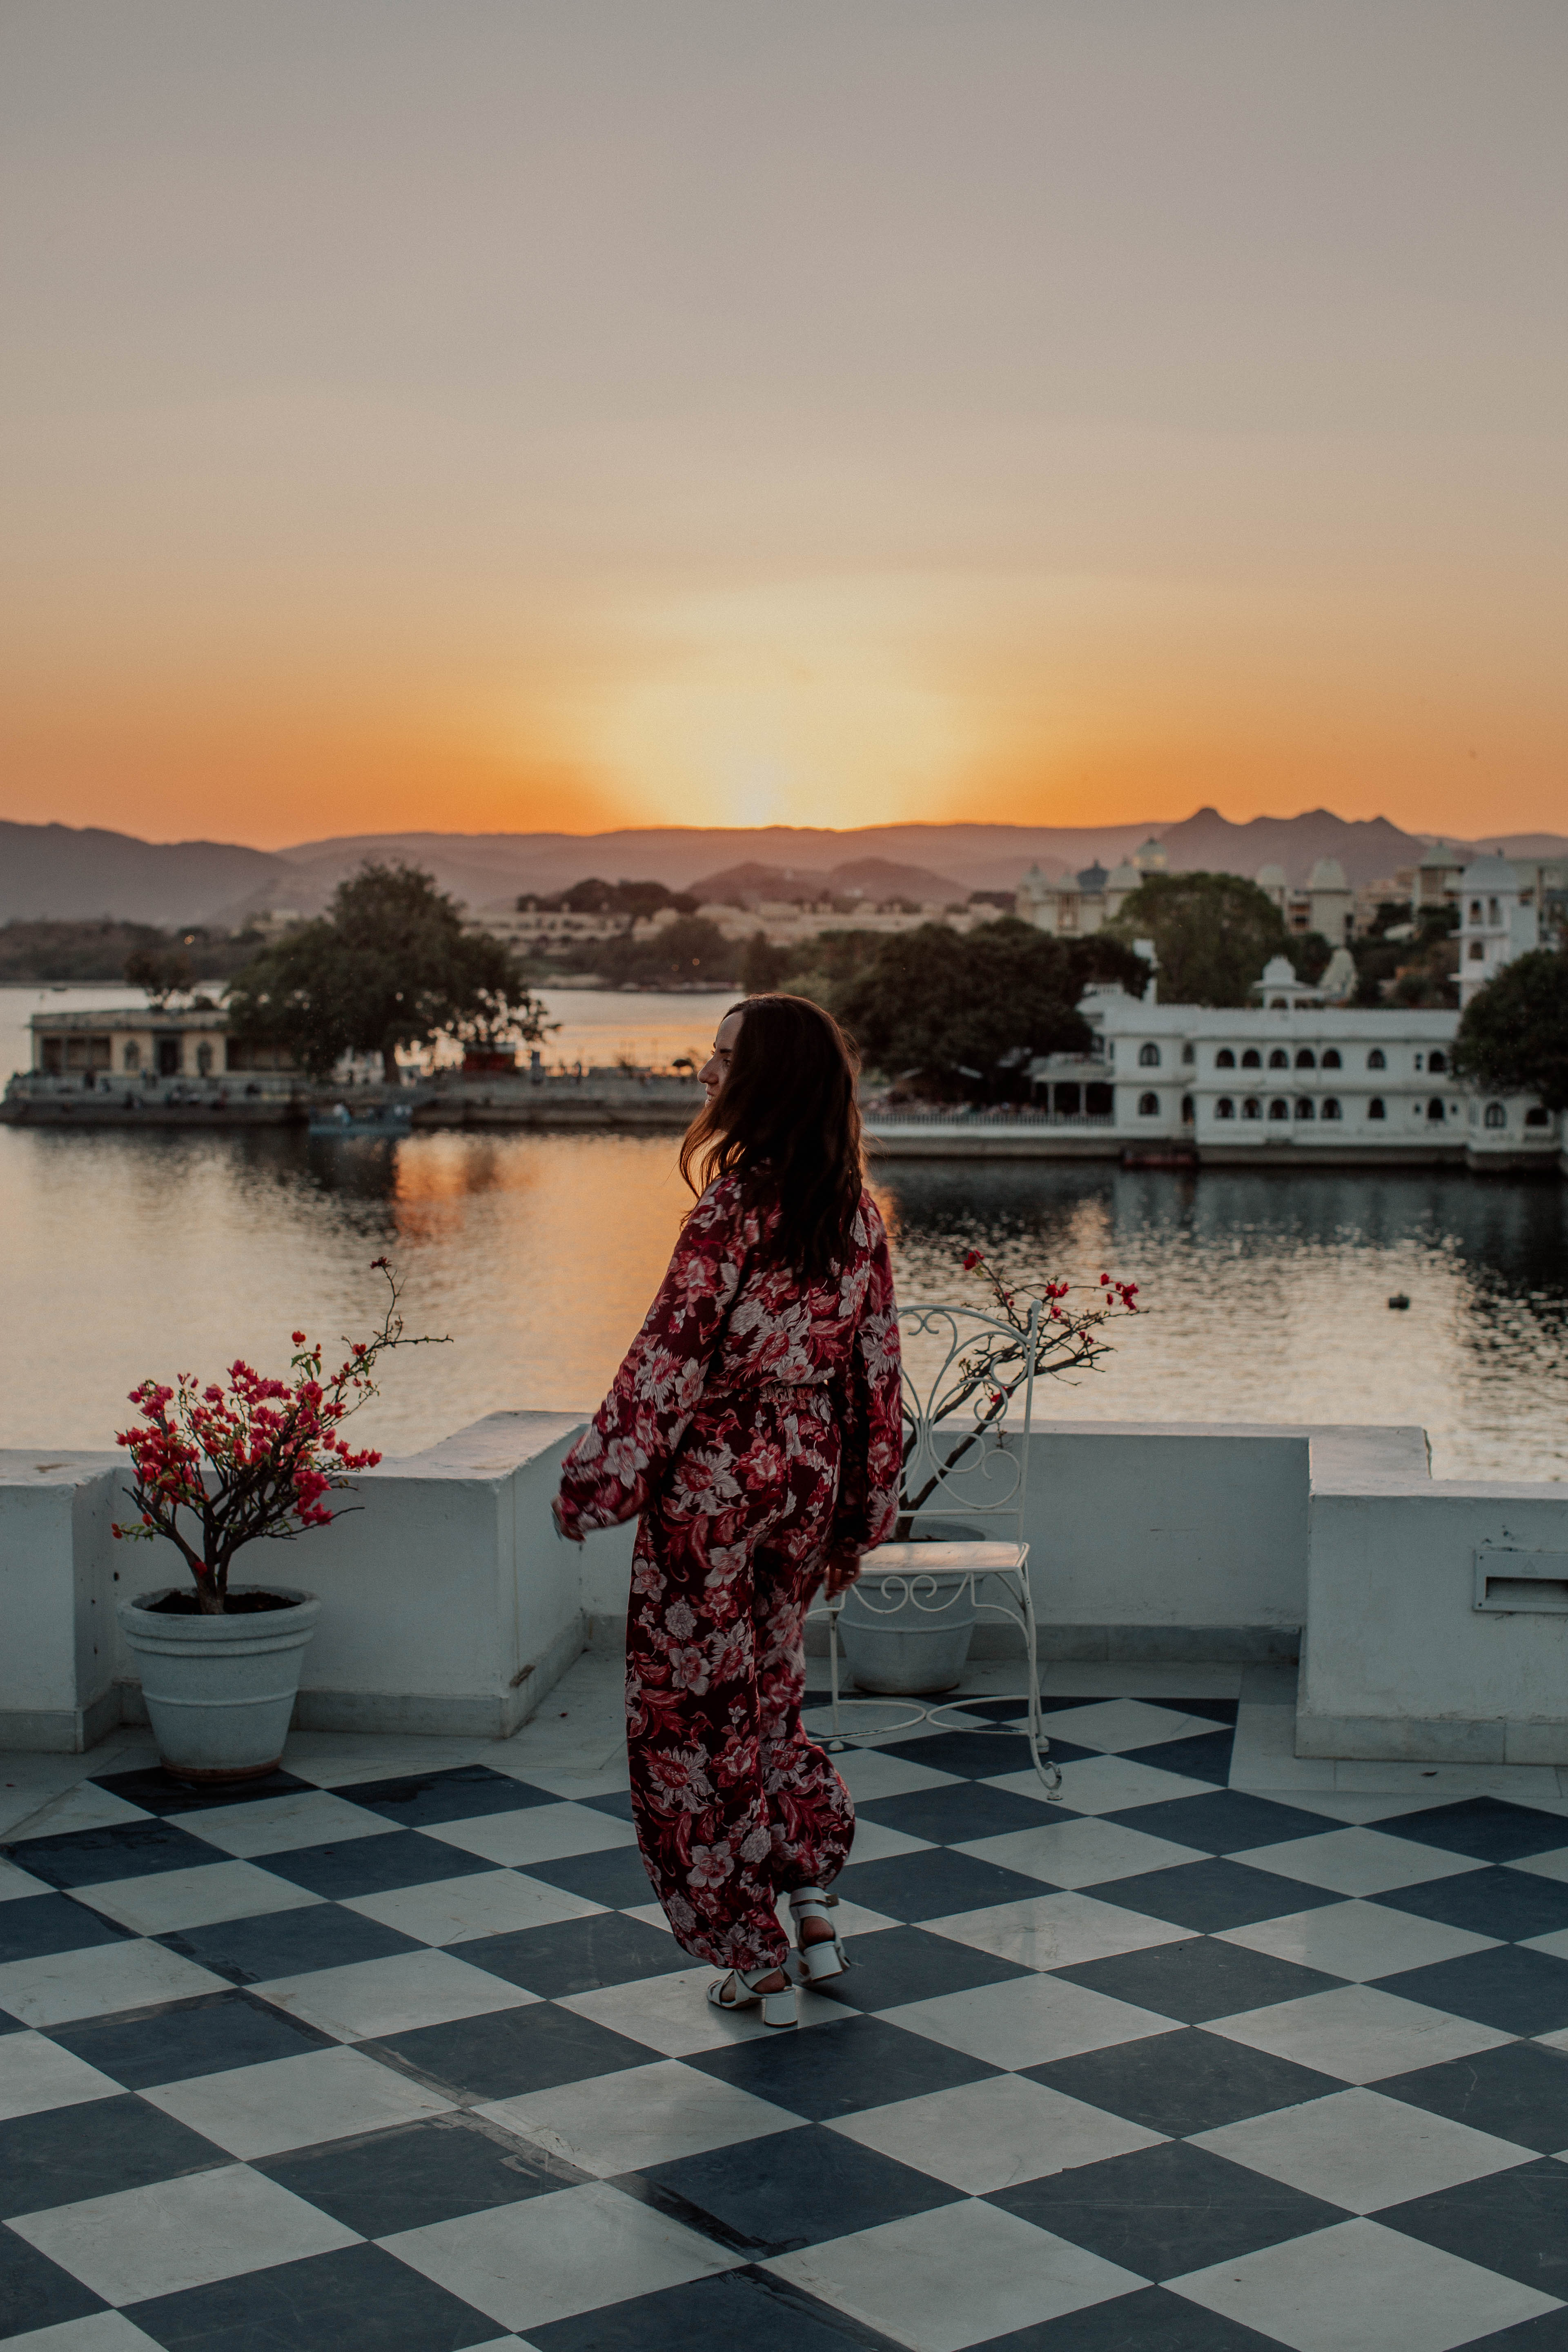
x: 515, y: 414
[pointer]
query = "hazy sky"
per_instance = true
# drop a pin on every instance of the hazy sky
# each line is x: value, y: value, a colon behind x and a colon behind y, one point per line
x: 483, y: 413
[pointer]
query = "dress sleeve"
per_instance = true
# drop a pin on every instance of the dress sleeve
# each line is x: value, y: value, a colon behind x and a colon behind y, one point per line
x: 613, y: 1469
x: 873, y: 1430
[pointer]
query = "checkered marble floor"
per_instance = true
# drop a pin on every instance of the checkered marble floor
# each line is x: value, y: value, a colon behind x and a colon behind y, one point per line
x: 409, y: 2061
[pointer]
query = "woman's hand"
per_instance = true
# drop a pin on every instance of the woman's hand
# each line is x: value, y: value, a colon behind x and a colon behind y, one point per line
x: 570, y: 1534
x: 843, y: 1568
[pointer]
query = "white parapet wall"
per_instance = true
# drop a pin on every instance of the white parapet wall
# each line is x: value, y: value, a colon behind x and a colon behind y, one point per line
x: 451, y: 1606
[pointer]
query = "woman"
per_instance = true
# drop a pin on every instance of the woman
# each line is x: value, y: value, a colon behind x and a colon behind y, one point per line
x: 755, y: 1427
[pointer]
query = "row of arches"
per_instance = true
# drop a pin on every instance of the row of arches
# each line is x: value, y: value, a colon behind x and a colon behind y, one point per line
x: 1281, y: 1059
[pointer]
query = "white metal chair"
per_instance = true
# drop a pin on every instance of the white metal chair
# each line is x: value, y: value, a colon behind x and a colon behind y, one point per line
x: 968, y: 1402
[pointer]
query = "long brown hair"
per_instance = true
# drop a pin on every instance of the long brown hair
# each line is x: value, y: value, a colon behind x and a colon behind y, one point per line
x: 786, y: 1120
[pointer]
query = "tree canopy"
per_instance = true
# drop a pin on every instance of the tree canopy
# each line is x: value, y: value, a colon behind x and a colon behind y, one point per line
x: 964, y: 1013
x: 1513, y: 1035
x: 1213, y: 934
x: 393, y: 963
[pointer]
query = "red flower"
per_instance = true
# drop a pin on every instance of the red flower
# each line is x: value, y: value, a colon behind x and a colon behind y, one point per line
x: 972, y: 1258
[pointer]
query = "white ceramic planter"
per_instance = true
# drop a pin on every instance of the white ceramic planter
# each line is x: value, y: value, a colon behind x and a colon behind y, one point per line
x: 907, y: 1634
x: 220, y: 1690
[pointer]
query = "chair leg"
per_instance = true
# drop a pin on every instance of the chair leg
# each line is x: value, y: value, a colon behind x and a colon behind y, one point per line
x: 1039, y: 1748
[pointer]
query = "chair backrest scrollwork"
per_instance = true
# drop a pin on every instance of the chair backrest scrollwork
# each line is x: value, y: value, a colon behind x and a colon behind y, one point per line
x: 968, y: 1402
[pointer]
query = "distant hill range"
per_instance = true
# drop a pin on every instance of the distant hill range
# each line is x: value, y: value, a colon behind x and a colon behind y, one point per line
x: 871, y: 879
x: 55, y: 871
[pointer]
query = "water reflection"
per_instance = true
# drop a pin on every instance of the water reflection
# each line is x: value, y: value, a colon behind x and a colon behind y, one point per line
x: 134, y: 1252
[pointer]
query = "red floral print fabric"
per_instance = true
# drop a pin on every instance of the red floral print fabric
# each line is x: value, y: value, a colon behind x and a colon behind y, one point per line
x: 755, y: 1426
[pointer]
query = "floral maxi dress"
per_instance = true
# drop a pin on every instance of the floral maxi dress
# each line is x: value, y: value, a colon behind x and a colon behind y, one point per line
x: 755, y: 1426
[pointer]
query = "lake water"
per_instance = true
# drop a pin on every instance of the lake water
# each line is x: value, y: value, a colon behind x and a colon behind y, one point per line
x: 136, y: 1252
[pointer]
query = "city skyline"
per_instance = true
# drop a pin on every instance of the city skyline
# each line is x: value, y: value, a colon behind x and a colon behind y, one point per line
x: 504, y: 418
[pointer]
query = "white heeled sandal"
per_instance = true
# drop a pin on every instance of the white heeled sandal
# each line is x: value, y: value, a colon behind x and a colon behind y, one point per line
x: 816, y: 1963
x: 777, y: 2007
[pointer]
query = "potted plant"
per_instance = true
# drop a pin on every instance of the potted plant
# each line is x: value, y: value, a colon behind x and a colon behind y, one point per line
x: 905, y: 1629
x: 215, y: 1468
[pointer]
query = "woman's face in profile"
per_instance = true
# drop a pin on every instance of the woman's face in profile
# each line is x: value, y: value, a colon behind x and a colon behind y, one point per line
x: 716, y: 1068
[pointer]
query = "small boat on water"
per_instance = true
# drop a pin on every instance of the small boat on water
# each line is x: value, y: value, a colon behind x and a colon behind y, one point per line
x: 369, y: 1118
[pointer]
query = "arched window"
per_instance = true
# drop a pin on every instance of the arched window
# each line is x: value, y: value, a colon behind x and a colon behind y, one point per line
x: 1252, y: 1060
x: 1252, y: 1108
x: 1148, y: 1105
x: 1187, y: 1111
x: 1188, y: 1054
x: 1225, y: 1108
x: 1306, y: 1059
x: 1224, y: 1059
x: 1332, y: 1058
x: 132, y: 1055
x: 1477, y: 951
x: 1374, y: 1108
x: 1536, y: 1117
x: 1376, y: 1059
x: 1496, y: 1115
x: 1330, y: 1106
x: 1148, y: 1057
x: 1305, y: 1107
x: 1492, y: 915
x: 204, y: 1059
x: 1474, y: 911
x: 1279, y: 1059
x: 1437, y: 1062
x: 1434, y: 1111
x: 1278, y: 1108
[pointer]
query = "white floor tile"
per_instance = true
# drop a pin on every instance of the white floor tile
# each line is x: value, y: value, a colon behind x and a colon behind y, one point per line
x: 643, y: 2116
x: 343, y: 1760
x: 1027, y: 1783
x: 180, y: 2233
x: 1546, y: 1865
x: 255, y: 2111
x: 104, y: 2331
x: 1056, y: 1931
x: 1109, y: 1784
x: 875, y: 1841
x: 36, y: 2074
x: 1026, y: 2020
x: 1357, y: 1940
x: 392, y: 1996
x: 15, y: 1884
x: 536, y: 1833
x: 1356, y: 1861
x: 1350, y: 2288
x: 938, y: 2282
x: 576, y: 1787
x: 1556, y: 1944
x: 986, y: 2136
x: 491, y: 1902
x: 1521, y: 1784
x: 549, y: 2257
x: 1080, y: 1851
x: 1357, y: 2033
x: 867, y: 1774
x: 1118, y: 1724
x: 1358, y: 2149
x: 283, y: 1824
x: 1353, y: 1806
x: 673, y: 2015
x: 95, y: 1983
x: 200, y: 1898
x: 85, y: 1806
x: 847, y: 1917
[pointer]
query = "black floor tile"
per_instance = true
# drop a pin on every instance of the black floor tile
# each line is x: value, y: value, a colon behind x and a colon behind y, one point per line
x: 1547, y: 2333
x: 576, y: 1955
x: 1488, y: 1828
x: 932, y: 1886
x: 961, y: 1810
x: 901, y: 1964
x: 738, y: 2308
x: 287, y: 1943
x: 157, y: 1791
x: 977, y: 1755
x: 616, y: 1879
x: 460, y: 1795
x: 1512, y: 1904
x: 1215, y: 1710
x: 1184, y: 2082
x: 68, y: 2154
x: 94, y: 1857
x: 1516, y: 2222
x: 360, y: 2299
x: 1200, y: 1980
x: 617, y: 1804
x: 511, y: 2051
x: 1211, y: 1894
x: 1167, y: 2211
x: 840, y: 2069
x: 1222, y: 1820
x: 374, y: 1864
x: 1519, y: 2092
x: 790, y: 2189
x: 415, y: 2174
x: 1206, y: 1757
x: 1152, y: 2320
x: 36, y: 2293
x: 1510, y: 1989
x: 34, y: 1925
x: 208, y: 2035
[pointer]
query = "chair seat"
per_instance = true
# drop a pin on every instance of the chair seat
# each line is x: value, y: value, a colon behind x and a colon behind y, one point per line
x: 969, y: 1558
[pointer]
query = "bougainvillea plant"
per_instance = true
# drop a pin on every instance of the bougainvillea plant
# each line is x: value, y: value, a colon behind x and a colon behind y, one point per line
x: 252, y: 1459
x: 1036, y: 1333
